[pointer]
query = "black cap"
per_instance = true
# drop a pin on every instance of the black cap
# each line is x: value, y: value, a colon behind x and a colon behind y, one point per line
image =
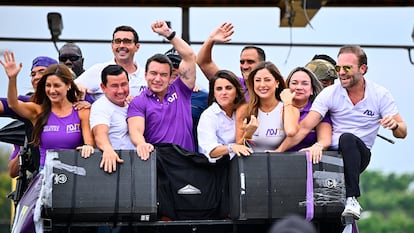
x: 175, y: 58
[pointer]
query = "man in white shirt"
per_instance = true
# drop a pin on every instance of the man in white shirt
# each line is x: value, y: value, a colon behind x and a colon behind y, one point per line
x: 108, y: 117
x: 125, y: 43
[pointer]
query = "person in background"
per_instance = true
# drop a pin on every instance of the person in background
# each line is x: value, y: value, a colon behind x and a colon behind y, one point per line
x: 56, y: 123
x: 304, y: 86
x: 162, y: 113
x: 250, y: 55
x: 217, y: 130
x: 265, y: 129
x: 323, y: 66
x: 108, y: 117
x: 39, y: 65
x: 70, y: 54
x: 357, y: 107
x: 125, y: 44
x: 198, y: 97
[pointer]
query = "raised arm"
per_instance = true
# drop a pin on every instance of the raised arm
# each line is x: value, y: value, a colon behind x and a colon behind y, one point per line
x: 221, y: 34
x: 26, y: 110
x: 291, y: 113
x: 187, y: 68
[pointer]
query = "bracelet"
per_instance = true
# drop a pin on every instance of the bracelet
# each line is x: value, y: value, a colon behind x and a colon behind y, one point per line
x: 318, y: 144
x: 230, y: 148
x: 396, y: 127
x: 287, y: 104
x: 171, y: 36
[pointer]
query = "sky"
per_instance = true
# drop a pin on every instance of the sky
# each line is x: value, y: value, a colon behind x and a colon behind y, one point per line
x: 390, y: 68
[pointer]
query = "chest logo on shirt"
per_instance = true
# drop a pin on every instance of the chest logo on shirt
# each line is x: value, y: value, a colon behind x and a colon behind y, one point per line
x: 369, y: 112
x: 273, y: 132
x: 72, y: 128
x: 51, y: 128
x: 173, y: 97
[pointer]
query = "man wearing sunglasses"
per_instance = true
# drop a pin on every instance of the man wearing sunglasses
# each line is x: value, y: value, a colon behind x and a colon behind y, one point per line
x: 71, y: 55
x: 358, y: 107
x: 125, y: 43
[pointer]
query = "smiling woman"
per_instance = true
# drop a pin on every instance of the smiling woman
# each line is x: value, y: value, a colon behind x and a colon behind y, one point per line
x: 369, y: 27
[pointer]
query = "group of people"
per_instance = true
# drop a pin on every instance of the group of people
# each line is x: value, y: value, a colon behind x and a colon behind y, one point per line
x: 134, y: 107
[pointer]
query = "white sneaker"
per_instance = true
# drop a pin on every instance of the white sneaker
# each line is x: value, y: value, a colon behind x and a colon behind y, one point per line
x: 352, y: 208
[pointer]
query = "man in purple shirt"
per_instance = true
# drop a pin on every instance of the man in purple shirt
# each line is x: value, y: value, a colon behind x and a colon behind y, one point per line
x: 162, y: 113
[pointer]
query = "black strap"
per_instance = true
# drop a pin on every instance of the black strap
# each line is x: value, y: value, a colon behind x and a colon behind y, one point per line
x: 116, y: 207
x: 269, y: 187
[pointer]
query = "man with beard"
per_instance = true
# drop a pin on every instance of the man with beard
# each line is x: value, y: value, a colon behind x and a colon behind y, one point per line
x: 358, y: 107
x: 125, y: 43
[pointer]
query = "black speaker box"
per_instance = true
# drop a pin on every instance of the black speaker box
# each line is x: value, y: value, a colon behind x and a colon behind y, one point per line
x: 83, y: 192
x: 273, y: 185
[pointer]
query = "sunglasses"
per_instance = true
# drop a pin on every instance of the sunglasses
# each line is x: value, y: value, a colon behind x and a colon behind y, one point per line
x: 125, y: 41
x: 70, y: 57
x: 346, y: 68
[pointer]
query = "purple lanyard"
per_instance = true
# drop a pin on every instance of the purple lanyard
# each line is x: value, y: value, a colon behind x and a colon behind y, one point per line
x: 309, y: 188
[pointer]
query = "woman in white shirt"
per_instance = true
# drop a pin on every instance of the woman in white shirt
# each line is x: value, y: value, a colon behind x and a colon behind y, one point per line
x: 216, y: 129
x: 264, y: 111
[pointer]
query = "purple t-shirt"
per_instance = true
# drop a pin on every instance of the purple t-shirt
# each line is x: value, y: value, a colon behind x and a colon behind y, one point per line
x: 60, y: 133
x: 8, y: 112
x: 168, y: 121
x: 311, y: 138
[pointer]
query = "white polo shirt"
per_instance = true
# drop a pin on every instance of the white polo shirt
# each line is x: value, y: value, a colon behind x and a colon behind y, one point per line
x: 361, y: 119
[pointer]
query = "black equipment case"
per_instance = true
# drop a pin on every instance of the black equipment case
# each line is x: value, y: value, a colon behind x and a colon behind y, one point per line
x: 273, y: 185
x: 83, y: 192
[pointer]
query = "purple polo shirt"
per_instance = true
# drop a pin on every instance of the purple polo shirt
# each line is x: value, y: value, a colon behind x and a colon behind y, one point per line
x: 169, y: 121
x: 311, y: 138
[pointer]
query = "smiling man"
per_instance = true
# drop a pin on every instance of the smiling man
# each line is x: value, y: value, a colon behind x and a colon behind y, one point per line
x: 358, y: 108
x: 108, y: 115
x: 162, y: 113
x: 125, y: 44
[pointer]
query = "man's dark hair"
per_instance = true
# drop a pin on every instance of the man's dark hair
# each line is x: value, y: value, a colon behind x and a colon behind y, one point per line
x: 127, y: 29
x: 260, y: 51
x: 160, y: 58
x: 112, y: 70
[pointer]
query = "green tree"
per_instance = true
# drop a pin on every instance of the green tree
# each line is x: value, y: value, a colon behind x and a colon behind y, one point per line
x: 388, y: 203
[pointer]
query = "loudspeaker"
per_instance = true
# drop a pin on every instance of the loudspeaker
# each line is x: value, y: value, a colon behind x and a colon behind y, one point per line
x: 273, y: 185
x: 83, y: 192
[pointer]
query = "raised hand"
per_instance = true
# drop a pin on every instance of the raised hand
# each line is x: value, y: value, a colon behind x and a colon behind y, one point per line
x: 250, y: 127
x: 223, y: 33
x: 161, y: 28
x: 9, y: 65
x: 287, y: 96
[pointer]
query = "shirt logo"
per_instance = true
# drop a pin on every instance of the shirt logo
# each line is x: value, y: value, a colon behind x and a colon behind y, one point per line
x: 173, y: 97
x: 51, y: 128
x: 369, y: 112
x: 273, y: 132
x: 73, y: 128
